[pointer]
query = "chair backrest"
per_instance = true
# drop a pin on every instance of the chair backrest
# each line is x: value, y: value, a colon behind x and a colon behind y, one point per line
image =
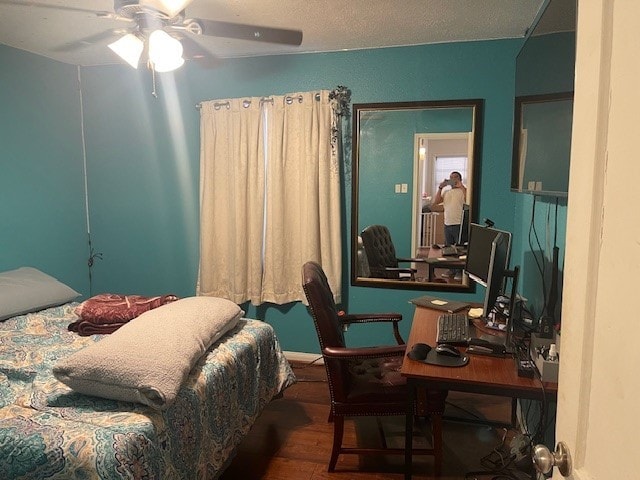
x: 380, y: 251
x: 328, y: 327
x: 363, y: 261
x: 323, y: 307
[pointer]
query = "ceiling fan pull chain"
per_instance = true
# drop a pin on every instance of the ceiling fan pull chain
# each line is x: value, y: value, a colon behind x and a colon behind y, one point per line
x: 153, y: 80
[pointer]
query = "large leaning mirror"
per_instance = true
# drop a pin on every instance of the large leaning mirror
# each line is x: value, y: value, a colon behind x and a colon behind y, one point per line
x: 406, y: 161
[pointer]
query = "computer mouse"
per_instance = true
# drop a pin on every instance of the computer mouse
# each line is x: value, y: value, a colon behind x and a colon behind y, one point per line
x: 419, y: 351
x: 447, y: 350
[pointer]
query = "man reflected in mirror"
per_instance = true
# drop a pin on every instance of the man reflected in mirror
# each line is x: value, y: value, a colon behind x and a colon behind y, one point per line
x: 452, y: 200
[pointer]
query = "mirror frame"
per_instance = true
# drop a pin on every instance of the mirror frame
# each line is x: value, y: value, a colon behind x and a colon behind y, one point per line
x: 477, y: 108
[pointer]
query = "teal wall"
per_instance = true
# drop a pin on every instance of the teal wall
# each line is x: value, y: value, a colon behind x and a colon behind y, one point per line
x: 143, y: 161
x: 42, y: 201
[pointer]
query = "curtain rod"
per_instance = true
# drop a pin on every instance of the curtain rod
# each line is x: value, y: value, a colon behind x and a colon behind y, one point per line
x: 246, y: 103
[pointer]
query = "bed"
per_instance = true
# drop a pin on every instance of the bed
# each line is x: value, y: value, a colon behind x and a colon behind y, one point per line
x: 48, y: 430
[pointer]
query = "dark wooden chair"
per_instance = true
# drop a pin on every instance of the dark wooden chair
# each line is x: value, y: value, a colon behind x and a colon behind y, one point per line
x: 364, y: 381
x: 381, y: 255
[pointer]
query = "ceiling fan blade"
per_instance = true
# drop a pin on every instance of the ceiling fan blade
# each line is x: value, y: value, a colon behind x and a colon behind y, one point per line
x: 194, y: 51
x: 89, y: 40
x: 17, y: 3
x: 241, y: 31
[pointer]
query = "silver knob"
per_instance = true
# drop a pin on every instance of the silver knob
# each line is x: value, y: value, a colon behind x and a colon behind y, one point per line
x: 544, y: 460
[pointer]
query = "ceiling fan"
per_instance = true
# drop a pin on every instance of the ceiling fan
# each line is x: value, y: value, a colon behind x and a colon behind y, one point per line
x: 162, y: 31
x: 162, y: 34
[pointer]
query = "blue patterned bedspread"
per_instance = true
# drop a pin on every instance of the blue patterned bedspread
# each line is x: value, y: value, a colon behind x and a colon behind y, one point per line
x: 49, y: 431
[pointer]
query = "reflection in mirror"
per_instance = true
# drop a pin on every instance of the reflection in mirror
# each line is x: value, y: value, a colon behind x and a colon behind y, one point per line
x: 544, y: 102
x: 402, y: 154
x: 542, y: 144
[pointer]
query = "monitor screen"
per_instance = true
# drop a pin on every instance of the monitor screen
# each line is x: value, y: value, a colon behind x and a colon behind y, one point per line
x: 497, y: 267
x: 479, y: 252
x: 463, y: 238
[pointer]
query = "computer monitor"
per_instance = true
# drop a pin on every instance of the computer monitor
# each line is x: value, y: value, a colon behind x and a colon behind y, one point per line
x: 498, y: 263
x: 479, y: 252
x: 463, y: 237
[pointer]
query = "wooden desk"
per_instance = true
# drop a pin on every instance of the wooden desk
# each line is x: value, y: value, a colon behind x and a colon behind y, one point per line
x: 434, y: 259
x: 483, y: 374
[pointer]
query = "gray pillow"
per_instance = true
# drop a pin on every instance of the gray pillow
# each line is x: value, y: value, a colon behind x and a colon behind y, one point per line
x: 148, y: 359
x: 27, y: 290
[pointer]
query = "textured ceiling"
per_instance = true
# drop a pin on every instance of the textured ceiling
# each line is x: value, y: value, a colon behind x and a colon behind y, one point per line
x: 70, y: 31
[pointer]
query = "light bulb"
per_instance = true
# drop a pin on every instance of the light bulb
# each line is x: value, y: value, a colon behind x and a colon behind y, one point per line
x: 129, y: 48
x: 165, y: 52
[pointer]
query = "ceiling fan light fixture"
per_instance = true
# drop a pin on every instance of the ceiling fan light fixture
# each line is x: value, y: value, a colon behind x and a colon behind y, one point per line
x: 168, y: 66
x: 129, y: 48
x: 165, y: 52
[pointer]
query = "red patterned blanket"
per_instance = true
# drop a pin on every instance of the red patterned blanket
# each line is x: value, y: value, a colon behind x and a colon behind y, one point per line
x: 107, y: 312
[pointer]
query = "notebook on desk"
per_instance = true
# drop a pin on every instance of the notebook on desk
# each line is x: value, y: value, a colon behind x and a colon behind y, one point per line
x: 439, y: 304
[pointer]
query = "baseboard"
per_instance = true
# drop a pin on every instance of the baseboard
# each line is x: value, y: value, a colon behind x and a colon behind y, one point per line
x: 303, y: 357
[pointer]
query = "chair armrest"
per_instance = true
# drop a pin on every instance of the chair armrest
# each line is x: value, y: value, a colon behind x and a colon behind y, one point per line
x: 371, y: 317
x: 358, y: 353
x: 375, y: 317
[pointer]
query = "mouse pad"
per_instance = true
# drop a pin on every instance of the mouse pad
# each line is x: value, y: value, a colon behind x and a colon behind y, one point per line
x: 433, y: 358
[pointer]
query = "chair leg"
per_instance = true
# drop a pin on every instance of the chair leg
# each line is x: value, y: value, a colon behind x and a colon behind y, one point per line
x: 338, y: 430
x: 436, y: 427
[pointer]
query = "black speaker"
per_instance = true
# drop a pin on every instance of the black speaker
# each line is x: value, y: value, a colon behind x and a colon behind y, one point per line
x: 546, y: 327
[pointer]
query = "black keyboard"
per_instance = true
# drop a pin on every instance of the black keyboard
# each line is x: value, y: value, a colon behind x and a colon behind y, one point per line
x: 453, y: 328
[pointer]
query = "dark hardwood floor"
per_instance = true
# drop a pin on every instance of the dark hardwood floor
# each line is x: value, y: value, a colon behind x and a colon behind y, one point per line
x: 292, y: 439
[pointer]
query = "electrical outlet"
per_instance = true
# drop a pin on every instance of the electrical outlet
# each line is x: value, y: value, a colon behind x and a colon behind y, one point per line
x: 398, y: 188
x: 405, y: 188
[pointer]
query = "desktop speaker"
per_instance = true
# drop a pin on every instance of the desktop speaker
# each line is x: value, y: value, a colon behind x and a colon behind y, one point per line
x: 546, y: 327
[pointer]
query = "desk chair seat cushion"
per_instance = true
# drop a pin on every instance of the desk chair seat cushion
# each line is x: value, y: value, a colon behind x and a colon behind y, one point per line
x: 374, y: 377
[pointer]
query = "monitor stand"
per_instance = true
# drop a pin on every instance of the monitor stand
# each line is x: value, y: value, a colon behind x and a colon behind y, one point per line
x: 502, y: 336
x: 492, y: 335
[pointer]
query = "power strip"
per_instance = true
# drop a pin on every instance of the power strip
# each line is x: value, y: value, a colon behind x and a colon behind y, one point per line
x: 524, y: 364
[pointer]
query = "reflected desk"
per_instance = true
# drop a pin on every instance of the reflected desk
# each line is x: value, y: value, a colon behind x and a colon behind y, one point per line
x: 434, y: 259
x: 483, y: 374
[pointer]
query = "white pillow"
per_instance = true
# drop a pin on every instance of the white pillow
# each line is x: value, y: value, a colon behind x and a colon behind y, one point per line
x: 148, y: 359
x: 27, y: 290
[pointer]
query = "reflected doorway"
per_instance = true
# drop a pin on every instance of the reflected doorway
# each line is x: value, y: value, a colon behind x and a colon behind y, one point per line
x: 436, y: 155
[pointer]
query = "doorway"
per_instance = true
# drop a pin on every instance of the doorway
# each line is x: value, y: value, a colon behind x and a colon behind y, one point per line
x: 436, y: 155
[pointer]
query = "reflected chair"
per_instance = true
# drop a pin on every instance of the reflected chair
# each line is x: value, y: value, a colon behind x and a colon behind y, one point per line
x: 362, y: 261
x: 364, y: 381
x: 381, y: 255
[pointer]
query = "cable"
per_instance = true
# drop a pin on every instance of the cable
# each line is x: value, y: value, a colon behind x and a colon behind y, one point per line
x: 91, y: 260
x: 555, y: 228
x: 468, y: 412
x: 541, y: 268
x: 308, y: 364
x: 538, y: 436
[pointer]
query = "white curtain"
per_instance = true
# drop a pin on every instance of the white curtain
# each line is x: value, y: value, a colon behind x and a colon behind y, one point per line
x: 270, y: 196
x: 231, y: 199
